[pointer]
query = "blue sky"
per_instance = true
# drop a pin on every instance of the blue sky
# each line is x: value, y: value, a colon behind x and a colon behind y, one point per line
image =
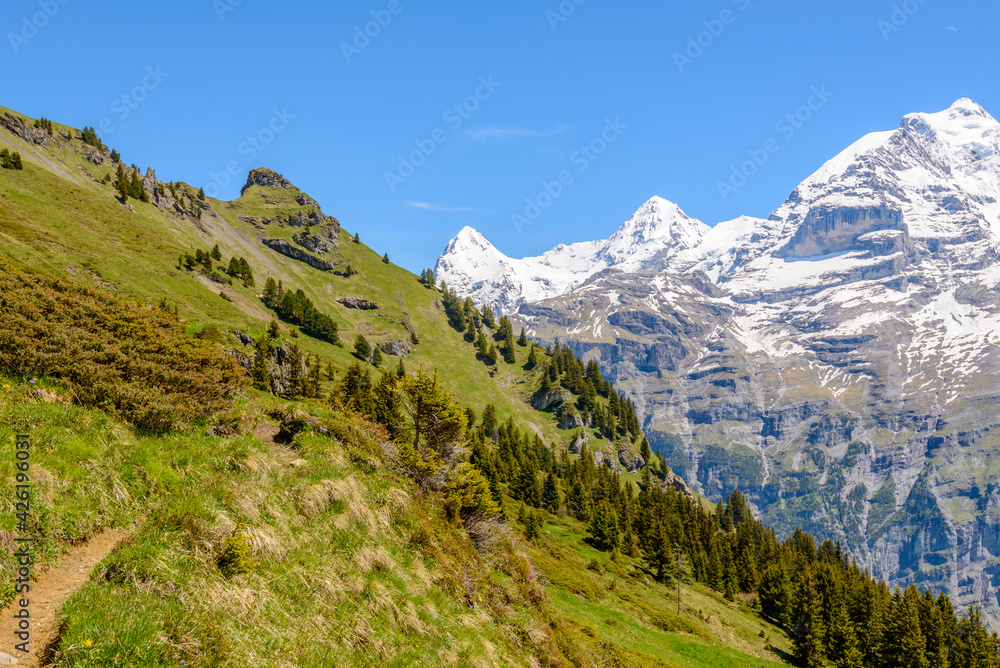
x: 624, y: 100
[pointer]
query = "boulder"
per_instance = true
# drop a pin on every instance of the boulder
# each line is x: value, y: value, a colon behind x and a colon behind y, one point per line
x: 397, y: 348
x: 542, y: 401
x: 358, y: 303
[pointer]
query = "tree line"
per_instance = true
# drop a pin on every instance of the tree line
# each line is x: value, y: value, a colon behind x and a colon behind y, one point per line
x: 295, y: 307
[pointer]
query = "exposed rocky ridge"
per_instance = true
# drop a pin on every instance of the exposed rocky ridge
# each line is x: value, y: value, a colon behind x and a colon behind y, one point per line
x: 288, y: 250
x: 358, y: 303
x: 266, y: 178
x: 322, y: 231
x: 839, y: 361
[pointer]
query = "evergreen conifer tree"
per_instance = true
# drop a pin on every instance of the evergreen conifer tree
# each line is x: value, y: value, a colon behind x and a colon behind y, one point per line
x: 550, y: 493
x: 362, y: 348
x: 604, y: 526
x: 844, y: 649
x: 260, y: 369
x: 809, y: 631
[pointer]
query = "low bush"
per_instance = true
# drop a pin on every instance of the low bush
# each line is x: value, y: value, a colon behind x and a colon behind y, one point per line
x: 111, y: 354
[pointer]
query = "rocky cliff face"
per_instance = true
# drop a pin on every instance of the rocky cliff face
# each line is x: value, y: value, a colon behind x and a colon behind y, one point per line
x: 838, y: 361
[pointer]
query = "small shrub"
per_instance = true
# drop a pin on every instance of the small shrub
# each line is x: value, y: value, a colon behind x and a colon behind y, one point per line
x: 236, y: 557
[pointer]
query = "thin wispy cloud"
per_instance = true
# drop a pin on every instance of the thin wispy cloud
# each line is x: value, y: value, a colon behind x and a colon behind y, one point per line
x: 436, y: 207
x: 507, y: 133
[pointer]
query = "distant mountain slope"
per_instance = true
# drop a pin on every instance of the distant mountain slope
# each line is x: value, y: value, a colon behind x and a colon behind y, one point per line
x: 839, y: 361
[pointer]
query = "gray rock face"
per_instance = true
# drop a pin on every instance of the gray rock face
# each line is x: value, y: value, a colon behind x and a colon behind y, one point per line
x: 266, y: 178
x: 288, y: 250
x: 323, y: 242
x: 26, y: 132
x: 545, y: 400
x: 630, y: 461
x: 571, y: 420
x: 398, y: 348
x: 281, y: 367
x: 358, y: 303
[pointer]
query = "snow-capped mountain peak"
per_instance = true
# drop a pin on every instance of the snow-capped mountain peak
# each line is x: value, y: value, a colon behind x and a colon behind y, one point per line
x: 469, y: 239
x: 659, y: 218
x: 655, y: 233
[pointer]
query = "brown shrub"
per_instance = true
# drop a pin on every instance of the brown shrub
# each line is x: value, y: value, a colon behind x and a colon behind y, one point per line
x: 111, y: 354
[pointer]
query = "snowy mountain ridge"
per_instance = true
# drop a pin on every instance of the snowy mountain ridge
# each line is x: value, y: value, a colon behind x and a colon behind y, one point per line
x: 656, y: 232
x: 939, y: 172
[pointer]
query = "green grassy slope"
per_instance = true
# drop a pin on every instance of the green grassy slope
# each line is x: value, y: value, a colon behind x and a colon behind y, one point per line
x: 354, y: 566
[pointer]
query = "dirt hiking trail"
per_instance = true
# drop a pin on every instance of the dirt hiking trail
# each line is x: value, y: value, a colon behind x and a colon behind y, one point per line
x: 48, y: 593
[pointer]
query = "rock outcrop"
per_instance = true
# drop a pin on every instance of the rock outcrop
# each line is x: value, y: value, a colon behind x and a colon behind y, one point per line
x: 266, y: 178
x: 288, y: 250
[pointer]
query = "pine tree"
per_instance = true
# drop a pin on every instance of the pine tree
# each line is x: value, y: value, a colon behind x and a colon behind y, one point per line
x: 509, y: 355
x: 522, y: 340
x: 357, y: 237
x: 550, y: 493
x: 122, y: 183
x: 531, y: 521
x: 136, y: 189
x: 376, y: 356
x: 260, y: 370
x: 532, y: 358
x: 388, y: 404
x: 905, y: 639
x: 385, y: 258
x: 844, y: 649
x: 356, y: 390
x: 974, y: 647
x: 437, y: 422
x: 296, y: 374
x: 313, y: 378
x: 89, y: 136
x: 604, y: 527
x: 773, y: 592
x: 216, y: 253
x: 658, y: 552
x: 745, y: 560
x: 527, y: 487
x: 809, y: 631
x: 872, y: 625
x: 362, y: 348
